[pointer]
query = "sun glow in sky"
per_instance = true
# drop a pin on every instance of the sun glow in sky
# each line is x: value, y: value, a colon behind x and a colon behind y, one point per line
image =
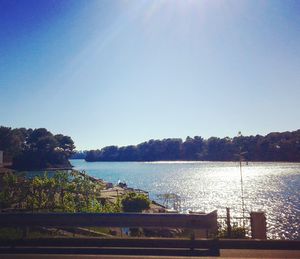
x: 122, y: 72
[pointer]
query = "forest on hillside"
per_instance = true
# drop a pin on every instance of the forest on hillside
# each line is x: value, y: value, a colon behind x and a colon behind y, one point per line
x: 276, y: 146
x: 35, y: 149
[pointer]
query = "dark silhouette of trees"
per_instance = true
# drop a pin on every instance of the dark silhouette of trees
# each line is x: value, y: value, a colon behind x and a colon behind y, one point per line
x: 193, y: 148
x: 12, y: 141
x: 219, y: 149
x: 79, y: 154
x: 129, y: 153
x: 35, y: 149
x: 275, y: 146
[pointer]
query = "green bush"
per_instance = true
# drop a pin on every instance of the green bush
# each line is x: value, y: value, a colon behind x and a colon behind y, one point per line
x: 134, y: 202
x: 236, y: 232
x: 61, y: 192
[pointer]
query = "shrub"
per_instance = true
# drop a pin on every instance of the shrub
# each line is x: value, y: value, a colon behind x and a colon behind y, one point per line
x: 133, y: 202
x: 236, y: 232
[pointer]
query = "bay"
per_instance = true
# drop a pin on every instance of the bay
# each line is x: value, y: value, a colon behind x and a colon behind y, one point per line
x: 205, y: 186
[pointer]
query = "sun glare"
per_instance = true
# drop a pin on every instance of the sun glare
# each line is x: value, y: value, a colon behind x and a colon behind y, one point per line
x: 178, y: 7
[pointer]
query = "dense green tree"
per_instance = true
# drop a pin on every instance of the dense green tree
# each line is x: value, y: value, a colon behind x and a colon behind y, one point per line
x: 79, y: 154
x: 129, y: 153
x: 219, y: 149
x: 65, y: 143
x: 193, y: 148
x: 93, y: 155
x: 134, y: 202
x: 35, y: 149
x: 275, y: 146
x: 110, y: 153
x: 13, y: 141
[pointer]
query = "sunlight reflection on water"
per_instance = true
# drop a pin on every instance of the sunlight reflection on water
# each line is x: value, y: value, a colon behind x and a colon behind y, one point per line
x: 206, y: 186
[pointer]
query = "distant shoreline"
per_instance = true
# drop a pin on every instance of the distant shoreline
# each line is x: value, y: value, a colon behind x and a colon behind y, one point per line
x: 9, y: 169
x: 186, y: 161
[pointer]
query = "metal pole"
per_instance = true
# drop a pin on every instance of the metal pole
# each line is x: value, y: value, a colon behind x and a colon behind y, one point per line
x: 242, y: 190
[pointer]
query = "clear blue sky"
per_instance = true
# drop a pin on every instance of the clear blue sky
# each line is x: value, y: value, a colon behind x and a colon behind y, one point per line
x: 121, y: 72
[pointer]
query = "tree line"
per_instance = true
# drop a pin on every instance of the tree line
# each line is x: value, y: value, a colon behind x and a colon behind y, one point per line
x: 275, y: 146
x: 35, y: 149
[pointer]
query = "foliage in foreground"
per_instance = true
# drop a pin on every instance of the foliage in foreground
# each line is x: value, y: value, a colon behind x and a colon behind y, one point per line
x: 134, y: 202
x: 60, y: 192
x: 236, y: 232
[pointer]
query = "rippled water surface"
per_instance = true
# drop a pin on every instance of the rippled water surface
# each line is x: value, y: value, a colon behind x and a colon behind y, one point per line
x: 206, y: 186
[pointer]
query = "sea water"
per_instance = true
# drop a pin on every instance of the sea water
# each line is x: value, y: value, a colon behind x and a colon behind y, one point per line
x: 205, y: 186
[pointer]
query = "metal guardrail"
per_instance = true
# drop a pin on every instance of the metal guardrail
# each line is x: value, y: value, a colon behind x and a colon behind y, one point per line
x: 203, y: 221
x: 108, y: 245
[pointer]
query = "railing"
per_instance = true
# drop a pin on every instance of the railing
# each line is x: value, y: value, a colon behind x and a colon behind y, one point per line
x: 113, y: 245
x: 203, y: 221
x: 74, y: 221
